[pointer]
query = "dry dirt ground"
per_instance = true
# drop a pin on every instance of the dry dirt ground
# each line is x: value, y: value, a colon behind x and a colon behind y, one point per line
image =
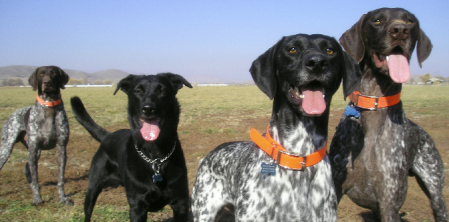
x: 198, y: 138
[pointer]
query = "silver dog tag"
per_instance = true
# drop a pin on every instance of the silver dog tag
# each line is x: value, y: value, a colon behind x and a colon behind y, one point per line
x: 157, y: 174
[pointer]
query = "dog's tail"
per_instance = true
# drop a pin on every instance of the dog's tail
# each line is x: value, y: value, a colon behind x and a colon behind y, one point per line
x: 86, y: 121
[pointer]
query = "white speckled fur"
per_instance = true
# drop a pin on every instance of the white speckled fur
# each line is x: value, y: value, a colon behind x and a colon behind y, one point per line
x: 230, y: 174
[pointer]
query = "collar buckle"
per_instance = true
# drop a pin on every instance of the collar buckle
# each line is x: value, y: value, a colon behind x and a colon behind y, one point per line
x: 376, y: 103
x: 303, y: 162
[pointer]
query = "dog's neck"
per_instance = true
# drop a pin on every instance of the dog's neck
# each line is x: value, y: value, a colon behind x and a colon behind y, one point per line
x: 50, y: 97
x: 296, y: 132
x: 377, y: 84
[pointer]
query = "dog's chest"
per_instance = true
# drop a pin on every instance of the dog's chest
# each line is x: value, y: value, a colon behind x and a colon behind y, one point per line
x: 381, y: 160
x: 286, y: 195
x: 50, y: 129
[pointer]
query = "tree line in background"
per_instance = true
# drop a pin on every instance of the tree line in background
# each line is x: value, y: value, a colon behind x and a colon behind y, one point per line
x: 427, y: 79
x: 84, y: 81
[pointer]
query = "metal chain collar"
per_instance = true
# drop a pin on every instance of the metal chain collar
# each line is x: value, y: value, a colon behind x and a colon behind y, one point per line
x: 156, y: 161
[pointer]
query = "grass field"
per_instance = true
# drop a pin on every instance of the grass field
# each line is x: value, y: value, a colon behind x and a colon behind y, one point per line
x: 210, y: 116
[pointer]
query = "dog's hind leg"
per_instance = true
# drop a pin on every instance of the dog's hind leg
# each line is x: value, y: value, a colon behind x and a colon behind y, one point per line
x: 13, y: 131
x: 101, y: 175
x: 93, y: 190
x: 429, y: 172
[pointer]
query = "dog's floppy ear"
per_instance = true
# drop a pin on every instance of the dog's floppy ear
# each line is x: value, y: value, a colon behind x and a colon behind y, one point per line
x: 176, y: 80
x: 263, y: 71
x: 33, y: 80
x: 351, y: 75
x: 424, y: 47
x: 64, y: 78
x: 352, y: 40
x: 126, y: 84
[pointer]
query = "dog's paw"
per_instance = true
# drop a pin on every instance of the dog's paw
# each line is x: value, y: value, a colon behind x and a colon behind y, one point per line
x: 37, y: 202
x: 66, y: 201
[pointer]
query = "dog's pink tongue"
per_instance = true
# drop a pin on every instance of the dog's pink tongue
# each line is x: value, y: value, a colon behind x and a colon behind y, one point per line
x: 399, y: 68
x: 313, y: 102
x: 150, y: 131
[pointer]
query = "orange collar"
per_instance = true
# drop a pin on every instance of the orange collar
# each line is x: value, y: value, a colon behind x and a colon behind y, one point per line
x: 47, y: 103
x: 282, y: 156
x: 373, y: 102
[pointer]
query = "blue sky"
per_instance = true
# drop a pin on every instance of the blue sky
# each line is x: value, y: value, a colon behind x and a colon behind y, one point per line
x: 202, y: 40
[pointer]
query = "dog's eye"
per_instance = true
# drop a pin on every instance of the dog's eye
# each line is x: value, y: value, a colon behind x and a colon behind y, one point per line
x: 330, y: 51
x: 292, y: 50
x: 409, y: 22
x: 377, y: 22
x: 138, y: 91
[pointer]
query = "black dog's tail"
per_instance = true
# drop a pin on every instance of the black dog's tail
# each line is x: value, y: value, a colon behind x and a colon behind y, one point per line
x: 86, y: 121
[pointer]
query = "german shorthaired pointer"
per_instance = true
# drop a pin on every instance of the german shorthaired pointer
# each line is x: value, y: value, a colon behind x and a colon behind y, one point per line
x: 42, y: 126
x: 147, y: 159
x: 376, y: 147
x: 286, y: 175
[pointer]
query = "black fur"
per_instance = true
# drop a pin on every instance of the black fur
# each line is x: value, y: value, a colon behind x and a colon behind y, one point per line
x: 150, y: 98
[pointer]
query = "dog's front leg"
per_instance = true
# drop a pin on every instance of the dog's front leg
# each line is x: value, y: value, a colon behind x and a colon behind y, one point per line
x: 138, y: 213
x: 62, y: 159
x: 181, y: 210
x: 31, y: 173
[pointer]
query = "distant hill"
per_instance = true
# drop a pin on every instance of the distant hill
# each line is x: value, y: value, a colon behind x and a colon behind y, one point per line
x: 23, y: 72
x: 113, y: 75
x: 16, y: 71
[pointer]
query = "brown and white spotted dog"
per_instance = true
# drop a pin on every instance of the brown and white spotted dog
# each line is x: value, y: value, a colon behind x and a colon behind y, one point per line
x: 376, y: 147
x: 301, y: 73
x: 42, y: 126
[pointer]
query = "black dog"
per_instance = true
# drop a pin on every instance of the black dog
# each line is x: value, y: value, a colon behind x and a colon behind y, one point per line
x: 375, y: 147
x: 147, y: 159
x: 42, y: 126
x: 277, y: 182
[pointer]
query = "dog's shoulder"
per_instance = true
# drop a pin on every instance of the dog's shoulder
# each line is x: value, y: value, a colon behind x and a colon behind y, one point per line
x: 118, y: 137
x: 235, y: 150
x: 234, y: 158
x: 117, y: 141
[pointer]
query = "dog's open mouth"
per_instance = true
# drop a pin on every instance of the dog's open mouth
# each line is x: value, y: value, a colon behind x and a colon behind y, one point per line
x: 310, y: 98
x: 397, y: 64
x: 150, y: 129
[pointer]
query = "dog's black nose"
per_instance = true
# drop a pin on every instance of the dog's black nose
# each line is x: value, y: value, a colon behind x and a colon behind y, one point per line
x: 46, y: 80
x: 399, y: 31
x: 148, y: 109
x: 316, y: 63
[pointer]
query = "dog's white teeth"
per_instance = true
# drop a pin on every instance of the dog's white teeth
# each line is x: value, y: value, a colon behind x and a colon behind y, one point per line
x: 301, y: 96
x: 296, y: 90
x: 386, y: 58
x: 324, y: 96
